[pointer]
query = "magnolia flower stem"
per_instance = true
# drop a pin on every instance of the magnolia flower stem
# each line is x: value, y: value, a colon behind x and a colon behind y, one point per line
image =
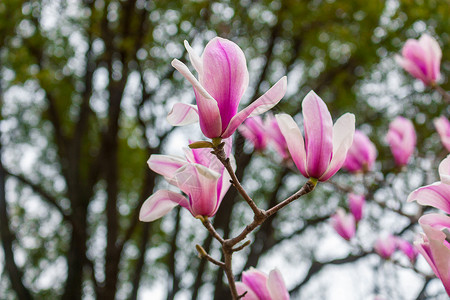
x: 203, y: 254
x: 443, y: 93
x: 211, y: 229
x: 220, y: 154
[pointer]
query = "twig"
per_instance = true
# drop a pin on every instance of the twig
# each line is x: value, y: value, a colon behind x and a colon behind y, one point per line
x: 442, y: 92
x: 202, y: 253
x: 211, y: 229
x: 220, y: 154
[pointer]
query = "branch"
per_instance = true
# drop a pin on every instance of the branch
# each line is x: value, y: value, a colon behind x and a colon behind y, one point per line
x: 41, y: 192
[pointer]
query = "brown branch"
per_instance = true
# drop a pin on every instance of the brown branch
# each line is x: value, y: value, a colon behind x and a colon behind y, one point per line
x: 220, y: 154
x: 442, y: 92
x: 207, y: 223
x: 203, y: 254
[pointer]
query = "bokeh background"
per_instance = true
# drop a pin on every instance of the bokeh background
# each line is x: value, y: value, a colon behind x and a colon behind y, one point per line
x: 85, y: 88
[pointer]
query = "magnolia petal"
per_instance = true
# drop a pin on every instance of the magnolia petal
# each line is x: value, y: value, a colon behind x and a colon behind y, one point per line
x: 276, y: 286
x: 294, y: 140
x: 225, y: 76
x: 318, y: 134
x: 343, y: 131
x: 436, y: 194
x: 438, y: 254
x: 438, y: 221
x: 194, y: 58
x: 165, y: 165
x: 411, y: 68
x: 444, y: 170
x: 182, y: 114
x: 432, y: 56
x: 200, y: 184
x: 257, y: 281
x: 209, y: 114
x: 159, y: 204
x: 442, y: 126
x: 242, y: 288
x: 259, y: 106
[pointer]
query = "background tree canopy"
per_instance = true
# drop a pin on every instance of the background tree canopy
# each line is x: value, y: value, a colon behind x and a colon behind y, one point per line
x: 85, y: 89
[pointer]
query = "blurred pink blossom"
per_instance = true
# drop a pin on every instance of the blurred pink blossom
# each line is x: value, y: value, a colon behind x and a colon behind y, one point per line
x: 361, y: 155
x: 407, y: 248
x: 356, y: 204
x: 344, y: 224
x: 442, y: 126
x: 385, y: 246
x: 254, y: 130
x: 421, y: 58
x: 402, y: 140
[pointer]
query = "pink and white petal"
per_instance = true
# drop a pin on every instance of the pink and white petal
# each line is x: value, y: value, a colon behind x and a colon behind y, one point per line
x: 225, y: 76
x: 343, y: 131
x: 257, y: 281
x: 200, y: 184
x: 270, y: 98
x: 411, y: 68
x: 165, y: 165
x: 294, y: 141
x: 318, y: 134
x: 242, y: 288
x: 182, y: 114
x: 159, y: 204
x: 259, y: 106
x: 276, y: 286
x: 438, y: 221
x: 433, y: 54
x: 444, y: 170
x: 194, y: 58
x: 436, y: 195
x: 439, y: 251
x: 208, y: 110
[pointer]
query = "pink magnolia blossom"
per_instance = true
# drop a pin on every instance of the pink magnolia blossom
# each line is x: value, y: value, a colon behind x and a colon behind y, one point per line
x: 254, y: 130
x: 259, y: 286
x: 361, y: 155
x: 443, y: 128
x: 200, y: 176
x: 356, y: 204
x: 324, y: 149
x: 344, y: 224
x: 421, y: 58
x: 407, y: 248
x: 434, y: 246
x: 402, y: 140
x: 222, y: 81
x: 385, y: 246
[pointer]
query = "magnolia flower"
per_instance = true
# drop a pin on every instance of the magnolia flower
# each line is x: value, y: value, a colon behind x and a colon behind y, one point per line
x: 259, y: 286
x: 344, y: 224
x: 323, y: 151
x: 361, y: 155
x: 254, y: 130
x: 222, y: 80
x: 407, y: 248
x: 200, y: 176
x: 356, y: 205
x: 402, y: 140
x: 434, y: 246
x: 385, y: 246
x: 421, y: 58
x: 443, y: 128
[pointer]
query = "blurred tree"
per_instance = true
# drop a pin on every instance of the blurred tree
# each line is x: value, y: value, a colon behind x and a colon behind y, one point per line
x: 86, y: 86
